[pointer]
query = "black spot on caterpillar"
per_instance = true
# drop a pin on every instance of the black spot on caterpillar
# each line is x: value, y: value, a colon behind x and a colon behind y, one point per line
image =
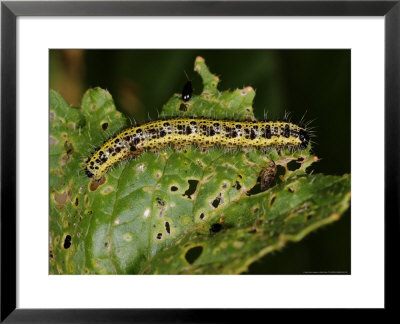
x: 180, y: 132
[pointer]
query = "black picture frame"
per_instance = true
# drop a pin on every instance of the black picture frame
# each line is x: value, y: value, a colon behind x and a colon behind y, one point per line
x: 11, y: 10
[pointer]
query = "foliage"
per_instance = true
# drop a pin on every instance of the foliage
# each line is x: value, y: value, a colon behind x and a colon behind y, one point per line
x: 182, y: 211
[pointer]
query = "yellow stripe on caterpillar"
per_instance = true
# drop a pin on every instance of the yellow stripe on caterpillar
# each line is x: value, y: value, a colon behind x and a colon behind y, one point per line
x: 179, y: 132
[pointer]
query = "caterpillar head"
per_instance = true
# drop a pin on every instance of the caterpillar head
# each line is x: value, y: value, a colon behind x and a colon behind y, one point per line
x: 304, y: 138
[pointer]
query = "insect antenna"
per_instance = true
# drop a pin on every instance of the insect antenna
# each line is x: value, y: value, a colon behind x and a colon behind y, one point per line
x: 186, y: 75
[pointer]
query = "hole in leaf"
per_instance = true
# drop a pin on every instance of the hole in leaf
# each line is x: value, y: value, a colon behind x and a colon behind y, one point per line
x: 309, y: 217
x: 295, y: 164
x: 67, y: 242
x: 291, y: 190
x: 193, y: 254
x: 279, y: 172
x: 192, y: 188
x: 160, y: 202
x: 271, y: 202
x: 182, y: 107
x: 76, y: 201
x: 202, y: 215
x: 256, y: 188
x: 167, y: 228
x: 217, y: 201
x: 104, y: 126
x: 174, y: 188
x: 215, y: 228
x: 237, y: 185
x: 159, y: 236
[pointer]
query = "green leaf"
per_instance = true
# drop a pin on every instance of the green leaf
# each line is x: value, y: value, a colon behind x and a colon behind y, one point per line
x: 174, y: 211
x: 285, y: 213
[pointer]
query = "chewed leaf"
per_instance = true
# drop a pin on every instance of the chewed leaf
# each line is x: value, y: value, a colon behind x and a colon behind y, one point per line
x: 191, y: 210
x: 285, y: 213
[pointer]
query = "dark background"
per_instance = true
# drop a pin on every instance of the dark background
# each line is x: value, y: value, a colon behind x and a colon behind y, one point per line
x: 315, y: 82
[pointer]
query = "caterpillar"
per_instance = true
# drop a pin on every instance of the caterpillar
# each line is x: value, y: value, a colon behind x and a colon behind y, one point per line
x: 180, y: 132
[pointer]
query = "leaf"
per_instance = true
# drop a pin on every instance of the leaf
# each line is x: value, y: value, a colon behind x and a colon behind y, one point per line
x: 285, y: 213
x: 174, y: 211
x: 71, y: 132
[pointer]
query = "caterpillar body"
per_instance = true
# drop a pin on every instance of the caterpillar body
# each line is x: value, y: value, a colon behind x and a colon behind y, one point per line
x: 180, y: 132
